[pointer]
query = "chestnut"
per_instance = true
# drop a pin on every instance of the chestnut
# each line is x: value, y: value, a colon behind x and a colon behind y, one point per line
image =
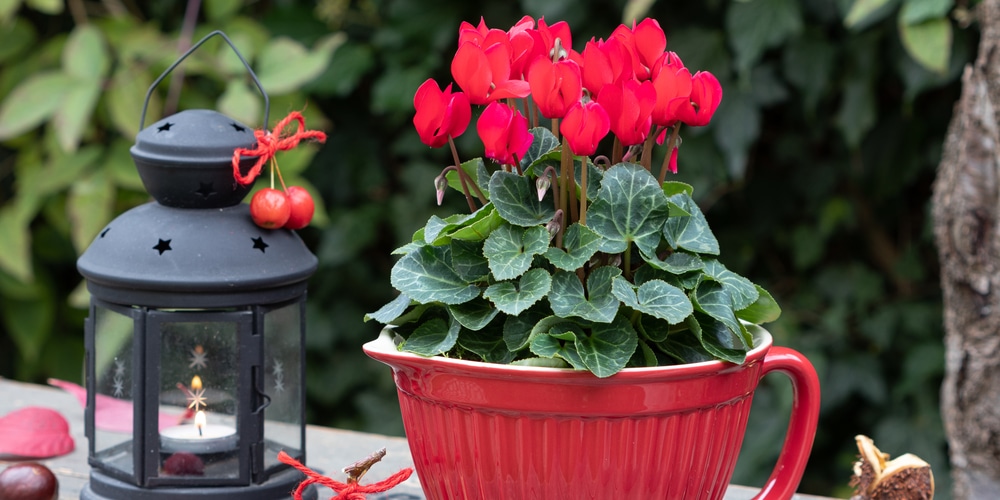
x: 28, y: 481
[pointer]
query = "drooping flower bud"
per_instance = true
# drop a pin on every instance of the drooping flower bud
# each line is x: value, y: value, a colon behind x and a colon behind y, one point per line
x: 440, y: 185
x: 542, y: 184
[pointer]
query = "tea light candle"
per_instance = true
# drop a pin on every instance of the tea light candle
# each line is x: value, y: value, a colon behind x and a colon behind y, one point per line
x: 199, y: 438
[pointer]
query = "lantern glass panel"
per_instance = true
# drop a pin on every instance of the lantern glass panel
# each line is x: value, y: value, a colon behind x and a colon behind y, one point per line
x: 283, y: 420
x: 199, y: 374
x: 114, y: 377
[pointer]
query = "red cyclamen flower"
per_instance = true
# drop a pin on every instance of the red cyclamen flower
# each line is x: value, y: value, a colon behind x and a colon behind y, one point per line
x: 440, y: 114
x: 629, y: 105
x: 605, y: 63
x: 584, y: 126
x: 484, y: 72
x: 523, y: 39
x: 504, y: 132
x: 646, y: 42
x: 555, y: 86
x: 672, y: 82
x: 706, y: 94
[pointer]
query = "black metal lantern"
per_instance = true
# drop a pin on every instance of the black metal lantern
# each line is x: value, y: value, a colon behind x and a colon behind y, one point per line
x: 196, y: 328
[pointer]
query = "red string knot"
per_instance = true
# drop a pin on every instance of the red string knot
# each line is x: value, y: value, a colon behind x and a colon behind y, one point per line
x: 268, y: 144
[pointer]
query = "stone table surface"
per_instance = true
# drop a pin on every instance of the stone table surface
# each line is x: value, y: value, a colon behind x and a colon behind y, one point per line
x: 326, y: 449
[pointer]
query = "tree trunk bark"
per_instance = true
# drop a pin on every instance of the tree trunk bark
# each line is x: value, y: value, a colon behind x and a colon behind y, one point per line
x: 966, y: 211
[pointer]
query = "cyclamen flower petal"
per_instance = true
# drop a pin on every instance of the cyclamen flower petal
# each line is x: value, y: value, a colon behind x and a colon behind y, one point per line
x: 706, y: 94
x: 605, y: 63
x: 480, y: 35
x: 484, y: 73
x: 555, y: 87
x: 584, y: 126
x: 504, y: 132
x: 549, y: 34
x: 440, y: 114
x: 672, y: 82
x: 645, y: 42
x: 629, y: 105
x: 650, y: 42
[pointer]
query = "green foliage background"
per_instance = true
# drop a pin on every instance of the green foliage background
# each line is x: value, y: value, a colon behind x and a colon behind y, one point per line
x: 815, y: 176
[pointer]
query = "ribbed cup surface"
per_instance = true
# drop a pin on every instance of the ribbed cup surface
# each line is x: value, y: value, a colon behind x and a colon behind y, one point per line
x: 463, y: 454
x: 485, y: 431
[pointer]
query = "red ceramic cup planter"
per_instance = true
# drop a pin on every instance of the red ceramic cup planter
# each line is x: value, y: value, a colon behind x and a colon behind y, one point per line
x: 479, y: 430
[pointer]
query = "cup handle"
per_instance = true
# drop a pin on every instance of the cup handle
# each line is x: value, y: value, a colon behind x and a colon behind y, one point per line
x: 791, y: 464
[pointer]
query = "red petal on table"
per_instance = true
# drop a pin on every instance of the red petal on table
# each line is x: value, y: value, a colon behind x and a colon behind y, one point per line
x: 111, y: 414
x: 34, y: 432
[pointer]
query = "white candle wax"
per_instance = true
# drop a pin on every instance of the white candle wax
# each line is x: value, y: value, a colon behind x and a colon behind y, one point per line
x: 199, y: 437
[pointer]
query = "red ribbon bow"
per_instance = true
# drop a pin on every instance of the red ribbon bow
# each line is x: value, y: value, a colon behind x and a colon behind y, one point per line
x: 350, y: 490
x: 268, y: 144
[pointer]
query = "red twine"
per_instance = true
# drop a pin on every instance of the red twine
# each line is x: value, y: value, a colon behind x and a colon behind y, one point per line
x: 268, y: 144
x: 350, y: 490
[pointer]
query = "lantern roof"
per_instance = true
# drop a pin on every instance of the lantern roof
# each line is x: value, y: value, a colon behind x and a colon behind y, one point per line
x: 168, y: 257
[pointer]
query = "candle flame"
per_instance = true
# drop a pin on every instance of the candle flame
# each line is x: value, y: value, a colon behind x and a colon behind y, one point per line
x: 200, y: 421
x: 196, y: 382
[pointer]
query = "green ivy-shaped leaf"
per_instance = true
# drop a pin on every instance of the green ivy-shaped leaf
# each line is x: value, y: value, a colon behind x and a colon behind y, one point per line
x: 552, y: 344
x: 470, y: 227
x: 474, y: 314
x: 685, y: 347
x: 580, y: 244
x: 630, y: 207
x: 655, y: 298
x: 517, y: 329
x: 468, y: 261
x: 389, y: 312
x: 568, y: 298
x: 426, y: 275
x: 675, y: 263
x: 671, y: 188
x: 432, y: 338
x: 476, y: 170
x: 544, y: 142
x: 510, y: 249
x: 487, y: 343
x: 516, y: 199
x: 764, y: 310
x: 741, y: 290
x: 690, y: 233
x: 514, y: 298
x: 713, y: 299
x: 608, y: 347
x: 719, y: 340
x: 653, y: 329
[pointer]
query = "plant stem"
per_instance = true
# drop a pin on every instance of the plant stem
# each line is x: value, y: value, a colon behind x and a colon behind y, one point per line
x: 647, y: 149
x: 583, y: 191
x: 462, y: 178
x: 671, y: 145
x: 617, y: 151
x: 627, y: 263
x: 566, y: 165
x: 274, y: 168
x: 555, y: 127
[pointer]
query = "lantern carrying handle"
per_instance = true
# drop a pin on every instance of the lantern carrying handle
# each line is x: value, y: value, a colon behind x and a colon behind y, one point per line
x: 253, y: 76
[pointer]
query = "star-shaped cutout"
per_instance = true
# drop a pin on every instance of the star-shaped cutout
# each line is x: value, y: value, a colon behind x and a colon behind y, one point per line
x: 165, y: 127
x: 163, y: 246
x: 205, y: 189
x: 239, y: 128
x: 259, y: 244
x: 199, y: 358
x: 196, y: 399
x: 119, y: 387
